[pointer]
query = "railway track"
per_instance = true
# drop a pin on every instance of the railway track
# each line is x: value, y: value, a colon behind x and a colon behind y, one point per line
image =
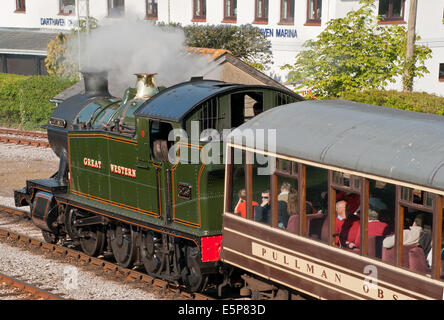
x: 98, y: 264
x: 15, y: 287
x: 29, y: 138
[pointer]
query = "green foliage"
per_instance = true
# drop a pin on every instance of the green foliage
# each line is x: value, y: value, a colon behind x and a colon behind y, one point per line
x: 354, y: 53
x: 245, y: 42
x: 59, y: 61
x: 412, y: 101
x: 24, y: 100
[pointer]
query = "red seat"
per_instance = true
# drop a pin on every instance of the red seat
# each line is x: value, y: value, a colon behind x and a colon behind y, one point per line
x: 375, y: 246
x: 313, y: 224
x: 417, y: 260
x: 293, y: 224
x: 388, y: 255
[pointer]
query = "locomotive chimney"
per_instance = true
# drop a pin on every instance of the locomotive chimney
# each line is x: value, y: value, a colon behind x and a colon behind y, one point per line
x: 145, y: 86
x: 96, y: 83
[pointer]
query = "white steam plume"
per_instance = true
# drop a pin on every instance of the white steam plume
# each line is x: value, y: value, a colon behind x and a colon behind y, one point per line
x: 125, y: 47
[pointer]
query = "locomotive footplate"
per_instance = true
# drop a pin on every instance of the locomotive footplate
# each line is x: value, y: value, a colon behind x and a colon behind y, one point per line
x: 23, y: 197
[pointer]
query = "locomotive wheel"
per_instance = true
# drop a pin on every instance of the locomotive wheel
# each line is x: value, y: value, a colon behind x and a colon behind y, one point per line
x: 50, y: 237
x: 149, y: 244
x: 122, y: 241
x: 191, y: 273
x: 92, y: 240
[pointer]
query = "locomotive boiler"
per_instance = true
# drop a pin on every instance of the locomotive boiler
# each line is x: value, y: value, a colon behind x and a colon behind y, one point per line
x: 119, y: 193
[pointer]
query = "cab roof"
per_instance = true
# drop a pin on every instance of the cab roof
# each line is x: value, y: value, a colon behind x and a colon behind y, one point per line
x: 176, y: 102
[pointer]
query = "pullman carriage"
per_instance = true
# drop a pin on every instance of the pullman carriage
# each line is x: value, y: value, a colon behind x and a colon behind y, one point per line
x: 384, y: 165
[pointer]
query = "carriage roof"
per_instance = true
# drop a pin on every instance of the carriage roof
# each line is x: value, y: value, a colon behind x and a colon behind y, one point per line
x: 396, y: 144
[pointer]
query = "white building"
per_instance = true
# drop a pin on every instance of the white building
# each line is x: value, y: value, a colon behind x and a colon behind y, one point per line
x: 287, y: 23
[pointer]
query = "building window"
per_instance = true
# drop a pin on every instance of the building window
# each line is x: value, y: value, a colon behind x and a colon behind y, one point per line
x: 287, y: 11
x: 199, y: 10
x: 391, y: 10
x: 116, y: 7
x: 20, y: 4
x: 441, y: 72
x: 67, y: 6
x: 314, y: 12
x: 151, y: 9
x: 230, y: 8
x: 261, y: 11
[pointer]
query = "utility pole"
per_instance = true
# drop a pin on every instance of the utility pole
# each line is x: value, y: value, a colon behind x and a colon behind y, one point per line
x: 82, y: 6
x: 408, y: 76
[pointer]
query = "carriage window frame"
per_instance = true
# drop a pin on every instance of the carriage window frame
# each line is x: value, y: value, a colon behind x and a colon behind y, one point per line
x: 363, y: 191
x: 436, y: 209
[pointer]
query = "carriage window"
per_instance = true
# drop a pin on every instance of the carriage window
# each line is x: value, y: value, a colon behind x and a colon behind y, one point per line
x: 346, y: 180
x: 288, y: 204
x: 441, y: 254
x: 416, y: 222
x: 347, y: 207
x: 381, y: 215
x: 262, y: 193
x: 416, y: 196
x: 316, y: 182
x: 239, y: 193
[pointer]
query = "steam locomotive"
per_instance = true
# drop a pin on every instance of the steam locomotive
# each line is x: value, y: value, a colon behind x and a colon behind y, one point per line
x: 117, y: 191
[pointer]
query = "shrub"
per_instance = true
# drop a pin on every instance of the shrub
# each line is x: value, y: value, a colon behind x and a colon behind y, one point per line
x: 413, y: 101
x: 24, y: 100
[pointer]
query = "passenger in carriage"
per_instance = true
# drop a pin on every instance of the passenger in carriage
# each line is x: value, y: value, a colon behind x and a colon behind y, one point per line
x: 410, y: 235
x: 285, y: 190
x: 241, y: 206
x: 352, y: 199
x: 375, y: 228
x: 263, y: 211
x: 347, y: 225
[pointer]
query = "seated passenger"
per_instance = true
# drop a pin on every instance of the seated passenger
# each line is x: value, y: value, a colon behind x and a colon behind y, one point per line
x: 410, y: 235
x: 347, y: 225
x: 285, y: 190
x: 375, y: 227
x: 263, y: 211
x: 353, y: 200
x: 241, y: 206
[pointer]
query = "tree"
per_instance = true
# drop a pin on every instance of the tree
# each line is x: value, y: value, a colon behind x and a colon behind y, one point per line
x: 58, y: 62
x: 59, y: 59
x: 245, y: 42
x: 354, y: 53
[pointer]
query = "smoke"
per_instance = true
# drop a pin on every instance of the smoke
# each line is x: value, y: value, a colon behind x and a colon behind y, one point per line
x: 125, y: 47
